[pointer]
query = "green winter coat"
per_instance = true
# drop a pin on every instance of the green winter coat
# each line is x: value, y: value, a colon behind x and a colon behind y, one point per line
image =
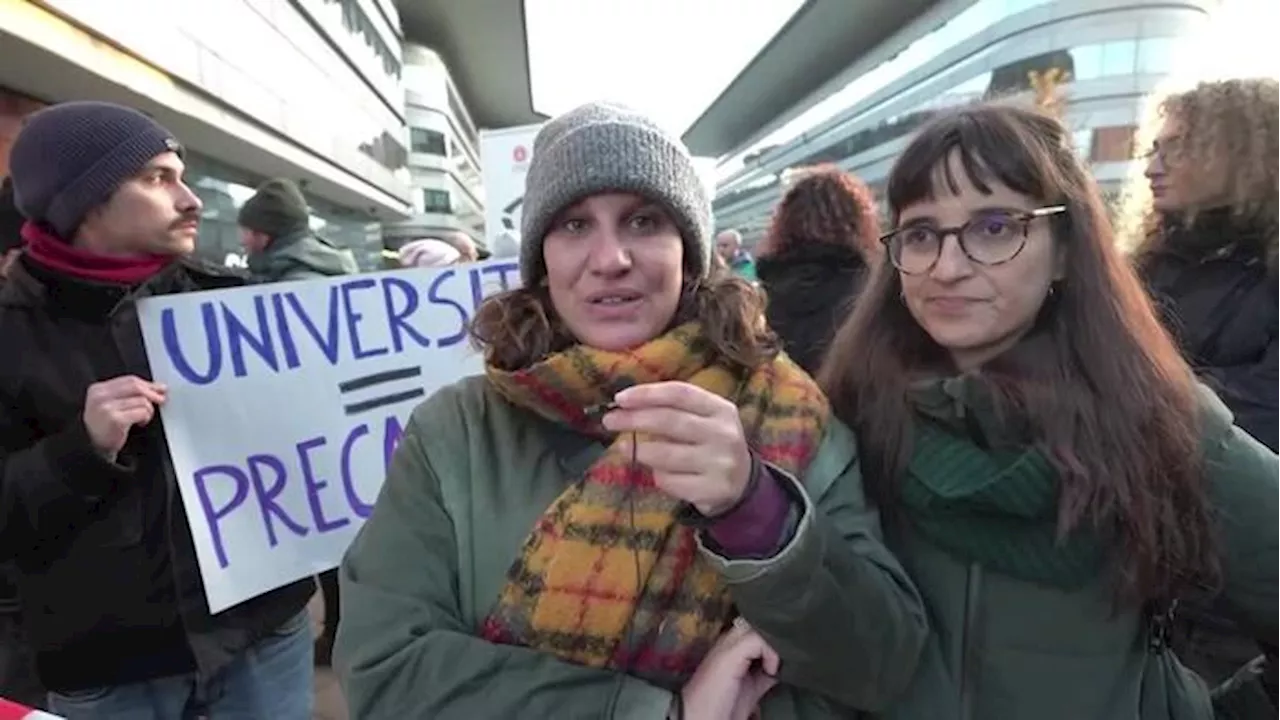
x: 1005, y: 649
x: 301, y: 257
x: 470, y: 477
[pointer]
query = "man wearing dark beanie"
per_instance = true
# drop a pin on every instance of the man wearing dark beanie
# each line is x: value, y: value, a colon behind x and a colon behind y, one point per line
x: 276, y: 232
x: 109, y: 587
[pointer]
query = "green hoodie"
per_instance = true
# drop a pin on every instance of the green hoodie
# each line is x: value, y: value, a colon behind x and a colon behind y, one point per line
x: 301, y: 257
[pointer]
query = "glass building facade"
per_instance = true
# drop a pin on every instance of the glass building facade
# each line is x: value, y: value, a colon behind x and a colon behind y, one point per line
x: 1109, y: 56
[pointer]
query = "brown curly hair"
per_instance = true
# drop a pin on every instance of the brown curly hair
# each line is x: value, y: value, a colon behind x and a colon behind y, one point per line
x: 1232, y: 122
x: 517, y: 328
x: 825, y: 205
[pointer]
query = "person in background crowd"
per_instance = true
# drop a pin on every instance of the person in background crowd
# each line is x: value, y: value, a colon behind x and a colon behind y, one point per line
x: 573, y: 533
x: 428, y: 253
x: 1209, y: 260
x: 464, y: 245
x: 1054, y: 475
x: 811, y: 261
x: 111, y: 595
x: 433, y: 252
x: 276, y: 233
x: 729, y: 248
x: 18, y: 679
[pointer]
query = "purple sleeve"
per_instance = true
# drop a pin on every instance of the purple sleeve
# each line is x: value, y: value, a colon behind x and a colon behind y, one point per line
x: 754, y: 528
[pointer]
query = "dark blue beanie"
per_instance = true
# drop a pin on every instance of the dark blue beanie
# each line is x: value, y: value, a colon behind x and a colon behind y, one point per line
x: 70, y: 158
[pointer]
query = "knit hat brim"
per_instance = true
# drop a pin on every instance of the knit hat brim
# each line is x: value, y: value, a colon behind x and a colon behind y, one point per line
x: 609, y: 154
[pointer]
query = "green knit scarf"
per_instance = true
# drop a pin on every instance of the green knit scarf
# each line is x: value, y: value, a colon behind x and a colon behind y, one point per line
x: 996, y: 508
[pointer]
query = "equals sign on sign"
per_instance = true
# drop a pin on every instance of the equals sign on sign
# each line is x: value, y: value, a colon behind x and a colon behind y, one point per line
x: 381, y: 395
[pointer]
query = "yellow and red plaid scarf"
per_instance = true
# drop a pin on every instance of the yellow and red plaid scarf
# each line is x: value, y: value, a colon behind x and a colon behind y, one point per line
x: 573, y: 590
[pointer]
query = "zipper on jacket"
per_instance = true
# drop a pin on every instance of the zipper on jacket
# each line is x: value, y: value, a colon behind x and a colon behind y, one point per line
x: 972, y: 605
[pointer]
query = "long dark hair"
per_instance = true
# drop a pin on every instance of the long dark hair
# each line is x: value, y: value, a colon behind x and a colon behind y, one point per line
x: 1100, y: 384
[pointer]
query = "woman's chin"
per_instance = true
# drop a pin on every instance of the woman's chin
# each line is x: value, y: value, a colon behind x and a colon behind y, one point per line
x: 617, y: 337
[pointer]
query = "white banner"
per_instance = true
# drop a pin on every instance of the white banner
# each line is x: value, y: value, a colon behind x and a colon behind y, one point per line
x: 286, y: 400
x: 504, y: 161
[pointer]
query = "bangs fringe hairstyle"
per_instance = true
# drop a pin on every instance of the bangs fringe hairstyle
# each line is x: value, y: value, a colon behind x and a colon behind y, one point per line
x: 825, y: 205
x: 1231, y: 122
x: 1100, y: 385
x: 517, y: 328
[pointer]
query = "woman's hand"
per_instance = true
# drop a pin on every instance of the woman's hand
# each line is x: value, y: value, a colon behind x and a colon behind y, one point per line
x: 725, y: 686
x: 696, y: 447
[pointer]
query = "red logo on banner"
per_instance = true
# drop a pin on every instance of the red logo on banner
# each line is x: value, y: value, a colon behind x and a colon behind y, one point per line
x: 520, y: 154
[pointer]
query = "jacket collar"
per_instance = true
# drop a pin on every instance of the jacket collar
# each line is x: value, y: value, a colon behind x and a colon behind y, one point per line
x: 29, y: 287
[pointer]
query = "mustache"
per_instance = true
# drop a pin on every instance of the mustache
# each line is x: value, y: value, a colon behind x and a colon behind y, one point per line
x: 186, y: 219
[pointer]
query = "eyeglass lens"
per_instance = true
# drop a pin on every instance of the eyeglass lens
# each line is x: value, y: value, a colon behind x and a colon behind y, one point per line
x: 990, y: 239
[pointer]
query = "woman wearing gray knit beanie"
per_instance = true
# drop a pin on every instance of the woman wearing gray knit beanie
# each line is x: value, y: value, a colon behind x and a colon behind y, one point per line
x: 642, y: 509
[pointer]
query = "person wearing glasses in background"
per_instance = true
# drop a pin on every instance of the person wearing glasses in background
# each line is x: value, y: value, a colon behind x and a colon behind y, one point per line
x: 1052, y: 475
x: 1207, y: 213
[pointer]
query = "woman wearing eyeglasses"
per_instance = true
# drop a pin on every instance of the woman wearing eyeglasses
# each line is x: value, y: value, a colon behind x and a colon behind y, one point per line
x: 1051, y: 473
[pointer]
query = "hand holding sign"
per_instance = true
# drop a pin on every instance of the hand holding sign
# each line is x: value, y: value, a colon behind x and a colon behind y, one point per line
x: 112, y: 407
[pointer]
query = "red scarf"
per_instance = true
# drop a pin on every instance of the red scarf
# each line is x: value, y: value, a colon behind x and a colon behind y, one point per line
x: 54, y: 253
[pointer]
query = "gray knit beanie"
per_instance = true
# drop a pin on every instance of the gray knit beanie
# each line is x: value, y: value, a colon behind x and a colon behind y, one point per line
x: 599, y: 148
x: 278, y: 209
x: 70, y: 158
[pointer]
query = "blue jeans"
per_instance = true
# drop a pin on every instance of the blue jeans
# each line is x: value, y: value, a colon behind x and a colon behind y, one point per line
x: 273, y: 679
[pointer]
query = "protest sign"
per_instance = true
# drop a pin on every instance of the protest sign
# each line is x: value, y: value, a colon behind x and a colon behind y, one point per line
x: 286, y: 401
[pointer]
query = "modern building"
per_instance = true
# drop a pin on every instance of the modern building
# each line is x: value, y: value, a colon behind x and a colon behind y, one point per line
x: 306, y: 89
x: 444, y: 159
x: 1110, y: 56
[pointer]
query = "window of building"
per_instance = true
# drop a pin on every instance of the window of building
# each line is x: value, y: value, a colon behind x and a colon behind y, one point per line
x: 436, y: 201
x: 1087, y: 61
x: 1119, y: 57
x: 424, y: 140
x: 387, y: 151
x: 1155, y: 55
x: 1082, y: 141
x: 1113, y: 144
x: 460, y: 113
x: 358, y: 24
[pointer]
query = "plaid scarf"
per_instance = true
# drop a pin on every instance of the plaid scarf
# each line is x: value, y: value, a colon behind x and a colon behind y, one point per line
x: 608, y: 577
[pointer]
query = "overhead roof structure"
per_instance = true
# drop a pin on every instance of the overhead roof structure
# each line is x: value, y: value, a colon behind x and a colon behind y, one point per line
x: 821, y: 40
x: 485, y: 46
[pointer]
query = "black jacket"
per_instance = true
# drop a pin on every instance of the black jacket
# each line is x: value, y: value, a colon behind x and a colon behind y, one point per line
x: 811, y: 288
x: 107, y: 574
x: 1214, y: 283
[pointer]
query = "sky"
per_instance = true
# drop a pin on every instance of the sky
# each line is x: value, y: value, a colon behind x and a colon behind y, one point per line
x: 666, y: 58
x: 1241, y: 35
